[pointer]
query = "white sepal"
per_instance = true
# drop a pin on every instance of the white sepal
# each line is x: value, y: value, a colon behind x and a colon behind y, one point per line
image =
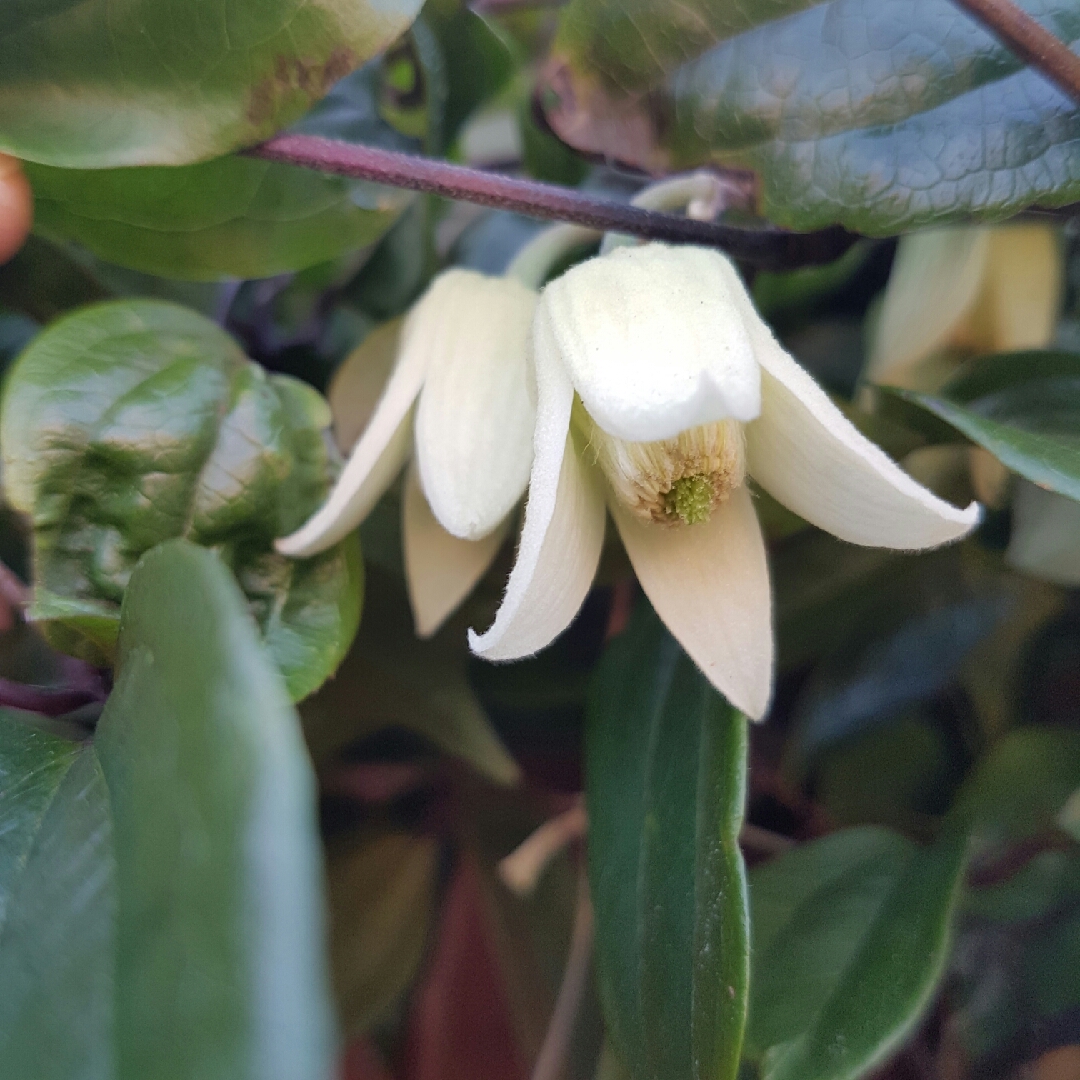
x: 810, y: 457
x: 653, y: 342
x: 563, y: 532
x: 710, y: 584
x: 375, y: 461
x: 475, y: 418
x: 440, y: 569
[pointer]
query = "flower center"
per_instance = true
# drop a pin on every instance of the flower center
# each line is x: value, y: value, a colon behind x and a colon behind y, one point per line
x: 677, y: 481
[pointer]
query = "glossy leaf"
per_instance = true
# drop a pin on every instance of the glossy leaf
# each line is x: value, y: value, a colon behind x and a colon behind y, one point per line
x: 57, y: 906
x: 1022, y: 407
x: 89, y: 85
x: 860, y: 1006
x: 232, y: 216
x: 666, y: 774
x: 880, y: 115
x: 219, y: 967
x: 129, y: 423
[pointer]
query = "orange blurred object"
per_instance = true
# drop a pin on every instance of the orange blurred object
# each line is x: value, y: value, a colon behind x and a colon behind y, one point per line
x: 16, y: 207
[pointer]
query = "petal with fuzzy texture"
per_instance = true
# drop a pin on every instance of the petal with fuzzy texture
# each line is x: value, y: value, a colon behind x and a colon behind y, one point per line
x: 810, y: 457
x: 652, y: 340
x: 440, y: 569
x: 475, y: 418
x: 375, y: 461
x: 564, y: 525
x: 934, y: 285
x: 710, y: 584
x: 359, y: 381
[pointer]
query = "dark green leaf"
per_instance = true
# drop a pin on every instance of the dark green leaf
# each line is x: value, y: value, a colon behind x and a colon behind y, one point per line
x: 863, y: 1009
x: 57, y: 907
x: 810, y: 910
x: 232, y: 216
x: 666, y: 775
x: 220, y: 968
x: 129, y: 423
x: 1022, y: 407
x: 880, y: 115
x: 84, y: 84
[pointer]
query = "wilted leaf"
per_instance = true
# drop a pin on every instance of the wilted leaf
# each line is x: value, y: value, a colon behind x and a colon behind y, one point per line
x: 232, y: 216
x: 666, y: 775
x: 880, y: 115
x: 129, y: 423
x: 88, y: 85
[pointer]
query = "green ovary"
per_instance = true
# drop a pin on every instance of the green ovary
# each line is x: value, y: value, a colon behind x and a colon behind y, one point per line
x: 691, y: 499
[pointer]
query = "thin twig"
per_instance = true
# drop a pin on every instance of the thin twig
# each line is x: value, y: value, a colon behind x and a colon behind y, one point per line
x: 522, y: 868
x: 767, y: 246
x: 755, y: 838
x: 1030, y: 41
x: 551, y: 1061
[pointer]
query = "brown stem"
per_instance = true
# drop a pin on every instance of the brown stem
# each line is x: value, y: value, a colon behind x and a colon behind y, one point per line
x: 1030, y: 41
x: 767, y: 247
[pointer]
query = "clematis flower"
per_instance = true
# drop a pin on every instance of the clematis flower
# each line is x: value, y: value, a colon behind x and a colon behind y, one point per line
x: 965, y: 289
x: 459, y: 389
x: 660, y: 391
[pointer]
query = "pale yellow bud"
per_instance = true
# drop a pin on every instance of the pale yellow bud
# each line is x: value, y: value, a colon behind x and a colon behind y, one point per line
x: 678, y: 481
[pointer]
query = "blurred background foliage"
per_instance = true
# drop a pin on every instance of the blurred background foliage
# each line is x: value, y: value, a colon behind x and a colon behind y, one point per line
x: 912, y: 809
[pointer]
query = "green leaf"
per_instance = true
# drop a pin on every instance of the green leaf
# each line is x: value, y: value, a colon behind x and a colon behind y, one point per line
x: 1022, y: 407
x: 810, y: 910
x: 880, y: 115
x: 128, y: 423
x: 382, y: 901
x: 220, y: 968
x: 860, y: 1010
x: 57, y: 906
x: 87, y: 85
x: 1022, y: 784
x: 232, y: 216
x: 665, y: 784
x: 160, y: 908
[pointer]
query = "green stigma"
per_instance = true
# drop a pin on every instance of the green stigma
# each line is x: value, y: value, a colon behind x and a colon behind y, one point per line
x: 690, y: 499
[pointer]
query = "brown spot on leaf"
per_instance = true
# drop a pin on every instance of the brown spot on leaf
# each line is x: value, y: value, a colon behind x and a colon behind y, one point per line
x: 292, y: 75
x: 586, y: 115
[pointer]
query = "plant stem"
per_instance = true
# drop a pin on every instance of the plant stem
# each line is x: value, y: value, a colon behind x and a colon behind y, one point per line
x: 1030, y: 41
x: 766, y: 247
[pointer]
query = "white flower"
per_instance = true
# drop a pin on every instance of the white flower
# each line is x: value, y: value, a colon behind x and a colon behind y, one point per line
x: 462, y: 363
x: 659, y: 389
x: 969, y: 288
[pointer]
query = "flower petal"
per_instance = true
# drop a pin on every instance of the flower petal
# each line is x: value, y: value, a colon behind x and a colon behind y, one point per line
x: 359, y: 381
x: 564, y: 525
x: 810, y: 457
x: 1045, y: 539
x: 934, y: 285
x: 375, y: 461
x: 440, y: 569
x: 653, y: 342
x: 475, y: 419
x: 1025, y: 271
x: 710, y: 584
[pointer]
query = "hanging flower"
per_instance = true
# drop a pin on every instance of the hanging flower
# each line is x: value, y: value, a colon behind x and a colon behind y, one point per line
x: 965, y: 289
x: 462, y: 363
x: 659, y: 391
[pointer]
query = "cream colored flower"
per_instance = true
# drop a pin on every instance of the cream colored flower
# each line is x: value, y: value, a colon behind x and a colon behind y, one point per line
x: 459, y: 388
x: 659, y: 390
x: 973, y: 289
